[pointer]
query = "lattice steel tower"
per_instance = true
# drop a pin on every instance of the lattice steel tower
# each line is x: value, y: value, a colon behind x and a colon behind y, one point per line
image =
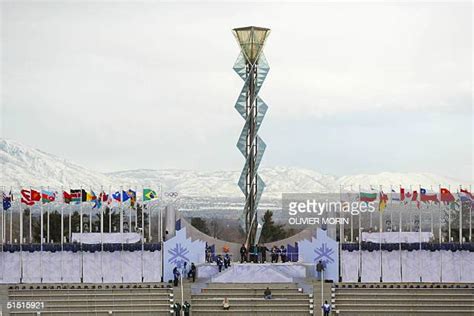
x: 252, y: 67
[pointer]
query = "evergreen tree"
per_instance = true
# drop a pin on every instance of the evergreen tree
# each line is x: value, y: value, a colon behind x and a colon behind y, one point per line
x: 271, y: 231
x: 200, y: 224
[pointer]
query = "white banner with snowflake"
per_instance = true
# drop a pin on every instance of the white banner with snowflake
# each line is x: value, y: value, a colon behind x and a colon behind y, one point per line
x: 321, y: 248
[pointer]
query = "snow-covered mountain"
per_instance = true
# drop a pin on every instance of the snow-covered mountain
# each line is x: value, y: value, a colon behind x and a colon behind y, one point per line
x: 25, y: 166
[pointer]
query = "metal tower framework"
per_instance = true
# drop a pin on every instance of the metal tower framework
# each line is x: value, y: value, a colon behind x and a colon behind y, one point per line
x: 253, y: 68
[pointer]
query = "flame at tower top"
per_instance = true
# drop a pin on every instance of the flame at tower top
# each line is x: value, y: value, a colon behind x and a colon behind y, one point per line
x: 251, y: 40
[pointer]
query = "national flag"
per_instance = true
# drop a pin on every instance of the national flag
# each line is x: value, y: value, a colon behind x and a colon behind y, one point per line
x: 7, y: 200
x: 446, y: 196
x: 466, y: 196
x: 29, y: 197
x: 428, y: 196
x: 367, y: 197
x: 149, y: 195
x: 383, y: 201
x: 76, y: 196
x: 116, y: 196
x: 87, y: 197
x: 395, y: 196
x: 408, y: 197
x: 66, y: 197
x: 103, y: 196
x: 125, y: 196
x: 133, y: 197
x: 48, y: 196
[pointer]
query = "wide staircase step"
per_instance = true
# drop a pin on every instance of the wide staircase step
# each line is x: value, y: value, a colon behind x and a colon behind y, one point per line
x: 154, y: 299
x: 403, y: 299
x: 247, y: 299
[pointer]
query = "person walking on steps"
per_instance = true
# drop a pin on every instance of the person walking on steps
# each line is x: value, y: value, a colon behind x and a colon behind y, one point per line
x: 326, y: 308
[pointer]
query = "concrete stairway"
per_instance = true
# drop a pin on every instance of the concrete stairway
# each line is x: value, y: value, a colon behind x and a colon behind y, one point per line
x: 247, y: 299
x: 90, y: 299
x: 403, y: 299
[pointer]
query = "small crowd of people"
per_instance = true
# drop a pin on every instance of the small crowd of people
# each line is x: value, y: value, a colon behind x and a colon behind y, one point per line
x: 186, y: 308
x: 258, y: 254
x: 190, y: 274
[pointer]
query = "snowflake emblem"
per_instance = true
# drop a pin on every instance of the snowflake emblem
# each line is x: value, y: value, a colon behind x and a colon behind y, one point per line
x: 324, y: 253
x: 178, y: 255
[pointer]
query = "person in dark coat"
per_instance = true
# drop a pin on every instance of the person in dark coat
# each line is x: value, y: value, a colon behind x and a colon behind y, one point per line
x: 283, y: 253
x: 243, y: 254
x: 186, y: 308
x: 263, y: 251
x: 219, y: 262
x: 176, y: 275
x: 226, y: 261
x: 192, y: 272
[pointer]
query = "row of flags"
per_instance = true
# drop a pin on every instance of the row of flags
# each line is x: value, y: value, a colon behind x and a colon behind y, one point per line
x: 423, y: 196
x: 76, y: 196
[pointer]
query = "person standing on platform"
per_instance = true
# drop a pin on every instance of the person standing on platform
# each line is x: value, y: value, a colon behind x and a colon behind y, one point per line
x: 263, y: 251
x: 186, y: 308
x: 226, y: 261
x: 176, y: 276
x: 177, y: 308
x: 219, y: 262
x: 192, y: 272
x: 320, y: 269
x: 283, y: 254
x: 243, y: 254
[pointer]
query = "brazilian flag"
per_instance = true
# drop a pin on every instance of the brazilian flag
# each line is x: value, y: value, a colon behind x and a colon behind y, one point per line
x: 149, y: 194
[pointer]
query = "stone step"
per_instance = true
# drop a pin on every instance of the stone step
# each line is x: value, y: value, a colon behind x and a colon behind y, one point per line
x: 389, y: 312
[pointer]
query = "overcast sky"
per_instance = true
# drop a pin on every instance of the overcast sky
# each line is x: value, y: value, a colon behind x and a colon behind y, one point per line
x: 353, y: 87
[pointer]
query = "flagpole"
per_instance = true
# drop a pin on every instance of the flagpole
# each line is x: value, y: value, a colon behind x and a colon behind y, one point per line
x: 101, y: 231
x: 90, y: 214
x: 419, y: 230
x: 62, y: 231
x: 11, y: 222
x: 352, y: 220
x: 80, y: 214
x: 110, y: 208
x: 460, y: 220
x: 470, y: 215
x: 431, y: 214
x: 41, y: 224
x: 21, y: 223
x: 143, y: 225
x: 400, y: 233
x: 21, y: 240
x: 70, y: 218
x: 380, y: 230
x: 360, y: 240
x: 449, y: 217
x: 47, y: 216
x: 409, y: 214
x: 440, y: 238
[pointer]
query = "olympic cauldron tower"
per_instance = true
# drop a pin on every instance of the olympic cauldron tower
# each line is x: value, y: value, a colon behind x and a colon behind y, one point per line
x: 252, y: 67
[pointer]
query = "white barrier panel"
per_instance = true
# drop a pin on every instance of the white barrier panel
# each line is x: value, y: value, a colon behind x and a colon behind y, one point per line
x: 92, y: 272
x: 152, y: 266
x: 51, y: 267
x: 370, y: 266
x: 31, y: 267
x: 430, y: 265
x: 451, y: 267
x: 467, y: 266
x: 11, y: 267
x: 72, y: 267
x: 350, y: 266
x: 132, y: 266
x: 106, y: 238
x: 410, y: 266
x: 112, y: 267
x: 391, y: 271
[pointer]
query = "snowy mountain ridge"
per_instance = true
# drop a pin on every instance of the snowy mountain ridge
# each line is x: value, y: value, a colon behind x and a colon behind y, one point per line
x: 23, y: 166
